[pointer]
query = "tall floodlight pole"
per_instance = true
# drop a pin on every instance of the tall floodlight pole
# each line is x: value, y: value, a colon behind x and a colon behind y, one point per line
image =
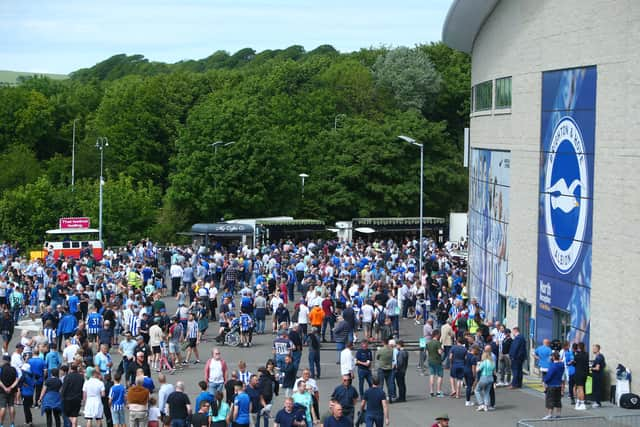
x: 101, y: 143
x: 215, y: 152
x: 73, y: 156
x: 414, y: 142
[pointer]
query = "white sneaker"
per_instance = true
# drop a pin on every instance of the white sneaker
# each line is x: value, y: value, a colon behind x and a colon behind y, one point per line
x: 547, y: 417
x: 595, y: 405
x: 468, y: 403
x: 480, y: 408
x: 581, y: 407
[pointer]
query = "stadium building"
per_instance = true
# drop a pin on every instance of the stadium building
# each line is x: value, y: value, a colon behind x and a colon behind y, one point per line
x: 554, y: 200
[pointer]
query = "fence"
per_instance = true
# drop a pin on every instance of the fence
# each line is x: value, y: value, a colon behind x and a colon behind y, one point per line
x: 613, y: 421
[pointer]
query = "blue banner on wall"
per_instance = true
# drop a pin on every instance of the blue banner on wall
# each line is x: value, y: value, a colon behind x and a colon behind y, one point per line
x: 489, y: 186
x: 566, y: 201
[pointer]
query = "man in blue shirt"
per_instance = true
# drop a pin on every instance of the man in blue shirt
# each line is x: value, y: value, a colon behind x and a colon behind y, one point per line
x: 374, y: 405
x: 364, y: 356
x: 204, y: 395
x: 554, y: 386
x: 287, y: 418
x: 241, y: 407
x: 543, y: 356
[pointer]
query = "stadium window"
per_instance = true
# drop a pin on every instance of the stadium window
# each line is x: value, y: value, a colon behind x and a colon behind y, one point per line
x: 503, y: 92
x: 483, y: 96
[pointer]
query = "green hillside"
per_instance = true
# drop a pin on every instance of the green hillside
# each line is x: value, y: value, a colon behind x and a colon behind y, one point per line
x: 12, y: 78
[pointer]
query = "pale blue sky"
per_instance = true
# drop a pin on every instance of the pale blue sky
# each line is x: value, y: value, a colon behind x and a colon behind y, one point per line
x: 59, y: 36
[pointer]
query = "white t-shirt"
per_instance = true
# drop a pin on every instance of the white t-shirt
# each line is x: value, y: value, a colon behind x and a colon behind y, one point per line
x: 346, y: 362
x: 93, y: 387
x: 154, y: 414
x: 367, y: 313
x: 16, y: 360
x: 213, y: 292
x: 69, y: 352
x: 155, y: 335
x: 275, y: 302
x: 303, y: 314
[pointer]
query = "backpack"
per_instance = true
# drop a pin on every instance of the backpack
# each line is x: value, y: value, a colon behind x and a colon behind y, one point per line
x: 300, y: 412
x: 8, y: 375
x: 630, y: 401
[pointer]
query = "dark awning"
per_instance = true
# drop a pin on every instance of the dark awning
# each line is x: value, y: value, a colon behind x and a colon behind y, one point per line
x: 222, y: 229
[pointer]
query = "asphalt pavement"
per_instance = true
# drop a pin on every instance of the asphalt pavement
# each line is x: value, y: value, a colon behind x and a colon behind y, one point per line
x: 418, y: 410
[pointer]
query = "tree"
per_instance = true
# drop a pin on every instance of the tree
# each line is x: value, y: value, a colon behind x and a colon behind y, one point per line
x: 18, y: 166
x: 408, y: 75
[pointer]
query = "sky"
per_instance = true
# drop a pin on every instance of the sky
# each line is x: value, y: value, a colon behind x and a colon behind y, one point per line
x: 61, y: 36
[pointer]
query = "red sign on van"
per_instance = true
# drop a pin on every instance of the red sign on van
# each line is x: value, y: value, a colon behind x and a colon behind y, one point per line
x: 74, y: 222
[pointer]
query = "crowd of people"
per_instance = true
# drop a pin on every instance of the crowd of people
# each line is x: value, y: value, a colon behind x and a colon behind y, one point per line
x: 107, y: 331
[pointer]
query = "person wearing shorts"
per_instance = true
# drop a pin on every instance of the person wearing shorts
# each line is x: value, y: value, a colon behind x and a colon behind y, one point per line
x: 434, y: 356
x: 554, y: 383
x: 457, y: 356
x: 10, y: 380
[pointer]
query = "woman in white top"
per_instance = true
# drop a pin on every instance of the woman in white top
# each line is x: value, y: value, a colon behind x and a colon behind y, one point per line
x: 92, y: 393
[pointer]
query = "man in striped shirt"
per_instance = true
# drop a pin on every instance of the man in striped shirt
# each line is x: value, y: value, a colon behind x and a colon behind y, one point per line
x: 243, y: 373
x: 192, y: 337
x: 94, y: 324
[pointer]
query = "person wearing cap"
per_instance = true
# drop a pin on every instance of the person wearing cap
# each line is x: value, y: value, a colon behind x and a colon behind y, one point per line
x: 442, y: 420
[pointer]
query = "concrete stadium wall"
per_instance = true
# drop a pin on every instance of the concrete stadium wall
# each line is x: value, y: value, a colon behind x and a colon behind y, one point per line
x: 522, y: 39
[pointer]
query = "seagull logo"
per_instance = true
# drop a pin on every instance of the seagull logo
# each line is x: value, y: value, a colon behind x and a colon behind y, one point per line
x: 566, y: 206
x: 563, y: 197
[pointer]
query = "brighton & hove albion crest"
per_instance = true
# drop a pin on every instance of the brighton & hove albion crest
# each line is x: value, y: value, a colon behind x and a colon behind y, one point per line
x: 566, y: 195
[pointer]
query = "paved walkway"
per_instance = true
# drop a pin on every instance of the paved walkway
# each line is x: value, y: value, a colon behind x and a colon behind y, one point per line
x: 419, y: 410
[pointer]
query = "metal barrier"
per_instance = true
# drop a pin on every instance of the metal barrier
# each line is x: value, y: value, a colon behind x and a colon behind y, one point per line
x: 613, y: 421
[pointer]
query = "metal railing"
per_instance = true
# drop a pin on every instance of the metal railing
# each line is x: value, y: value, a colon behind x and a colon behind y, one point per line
x: 613, y: 421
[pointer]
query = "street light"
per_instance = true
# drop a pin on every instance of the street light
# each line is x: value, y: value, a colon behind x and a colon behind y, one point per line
x: 73, y: 156
x: 417, y: 144
x: 303, y: 176
x: 215, y: 152
x: 101, y: 143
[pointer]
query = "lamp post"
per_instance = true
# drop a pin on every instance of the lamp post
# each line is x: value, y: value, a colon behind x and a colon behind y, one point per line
x: 73, y: 156
x: 215, y: 152
x: 101, y: 143
x: 303, y: 176
x: 417, y: 144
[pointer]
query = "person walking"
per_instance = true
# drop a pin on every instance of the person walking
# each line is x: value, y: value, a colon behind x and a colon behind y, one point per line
x: 554, y: 387
x: 215, y: 372
x: 50, y: 399
x: 72, y: 394
x: 517, y: 354
x: 374, y: 405
x: 347, y: 396
x: 138, y: 403
x: 434, y: 358
x: 485, y: 382
x: 93, y: 391
x: 364, y: 359
x: 178, y: 406
x: 27, y: 390
x: 314, y: 352
x: 384, y: 356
